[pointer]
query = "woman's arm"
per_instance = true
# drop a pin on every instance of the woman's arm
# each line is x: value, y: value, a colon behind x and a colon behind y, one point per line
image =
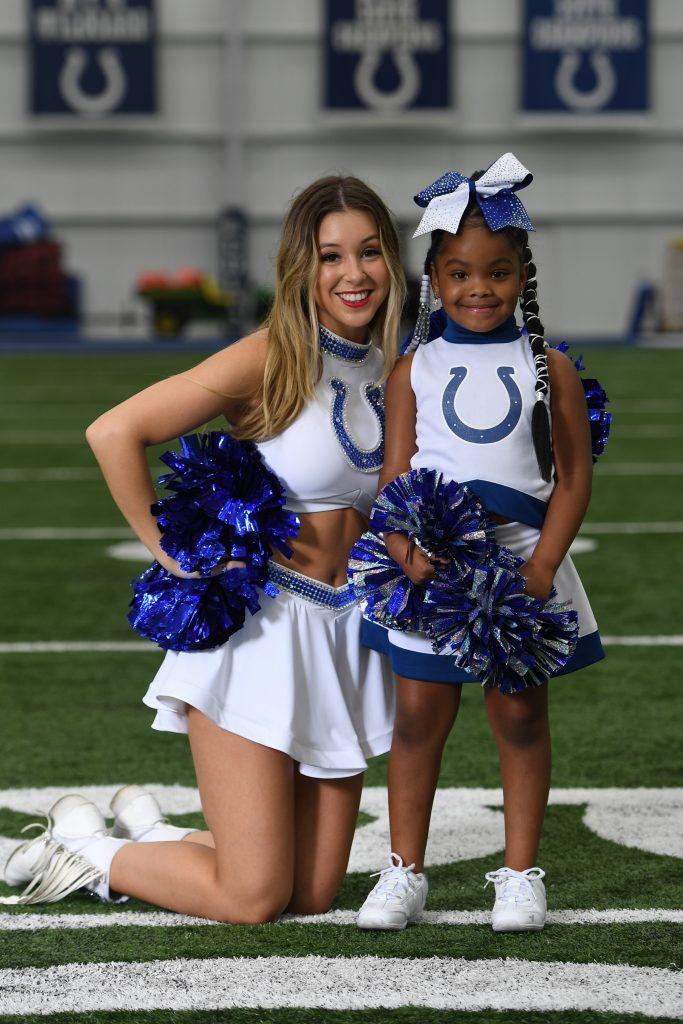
x: 573, y: 473
x: 221, y: 385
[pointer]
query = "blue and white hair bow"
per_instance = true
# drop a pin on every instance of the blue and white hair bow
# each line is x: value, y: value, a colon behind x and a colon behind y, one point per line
x: 447, y: 198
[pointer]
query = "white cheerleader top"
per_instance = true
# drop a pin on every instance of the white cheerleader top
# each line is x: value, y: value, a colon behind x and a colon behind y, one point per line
x: 331, y: 455
x: 475, y: 394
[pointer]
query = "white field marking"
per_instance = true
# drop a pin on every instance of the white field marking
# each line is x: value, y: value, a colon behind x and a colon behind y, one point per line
x: 64, y: 533
x: 78, y: 647
x: 451, y: 918
x: 656, y: 527
x: 140, y: 647
x: 42, y: 437
x: 582, y: 546
x: 69, y: 533
x: 49, y: 474
x: 341, y: 983
x: 641, y: 469
x: 129, y: 551
x: 643, y: 641
x: 466, y: 823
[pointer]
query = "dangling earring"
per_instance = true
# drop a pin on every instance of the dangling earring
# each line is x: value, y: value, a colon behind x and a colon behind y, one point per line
x: 421, y: 331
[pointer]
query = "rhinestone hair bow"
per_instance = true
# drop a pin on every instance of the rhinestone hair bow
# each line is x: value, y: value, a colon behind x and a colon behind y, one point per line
x: 447, y: 198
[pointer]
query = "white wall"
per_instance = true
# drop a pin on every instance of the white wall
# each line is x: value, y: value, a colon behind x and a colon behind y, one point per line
x: 145, y: 193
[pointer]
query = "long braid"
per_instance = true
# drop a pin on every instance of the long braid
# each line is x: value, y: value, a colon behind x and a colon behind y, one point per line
x: 540, y: 420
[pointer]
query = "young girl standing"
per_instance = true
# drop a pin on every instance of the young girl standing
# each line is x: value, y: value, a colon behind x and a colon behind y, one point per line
x: 488, y: 405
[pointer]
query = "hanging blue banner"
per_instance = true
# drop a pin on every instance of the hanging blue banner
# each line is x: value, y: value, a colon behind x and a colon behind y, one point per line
x: 93, y: 58
x: 387, y: 55
x: 586, y: 56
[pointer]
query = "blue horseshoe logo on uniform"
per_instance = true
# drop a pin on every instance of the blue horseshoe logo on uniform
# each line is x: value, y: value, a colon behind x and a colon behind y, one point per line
x: 482, y: 435
x: 367, y: 460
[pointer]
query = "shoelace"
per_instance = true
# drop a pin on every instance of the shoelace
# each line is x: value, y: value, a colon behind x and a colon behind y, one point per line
x: 513, y: 885
x: 393, y: 880
x: 58, y: 872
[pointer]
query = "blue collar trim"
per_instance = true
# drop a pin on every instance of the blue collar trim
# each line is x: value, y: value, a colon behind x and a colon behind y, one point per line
x: 340, y: 348
x: 507, y: 331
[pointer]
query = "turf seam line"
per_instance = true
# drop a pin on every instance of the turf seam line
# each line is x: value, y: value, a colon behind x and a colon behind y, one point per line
x: 452, y: 918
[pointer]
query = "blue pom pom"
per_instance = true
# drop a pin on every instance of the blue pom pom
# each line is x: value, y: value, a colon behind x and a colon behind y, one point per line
x: 496, y: 631
x: 386, y: 593
x: 596, y: 400
x: 191, y: 614
x: 226, y: 504
x: 442, y: 517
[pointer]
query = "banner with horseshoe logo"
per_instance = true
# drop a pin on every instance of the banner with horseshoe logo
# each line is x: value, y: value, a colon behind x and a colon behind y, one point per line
x: 586, y: 56
x: 93, y: 58
x: 387, y: 56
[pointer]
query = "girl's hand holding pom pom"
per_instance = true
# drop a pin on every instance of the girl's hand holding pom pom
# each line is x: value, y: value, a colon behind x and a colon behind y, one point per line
x: 415, y: 563
x: 539, y: 580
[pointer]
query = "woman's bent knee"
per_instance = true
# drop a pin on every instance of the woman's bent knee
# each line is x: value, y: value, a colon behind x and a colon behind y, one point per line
x: 251, y: 904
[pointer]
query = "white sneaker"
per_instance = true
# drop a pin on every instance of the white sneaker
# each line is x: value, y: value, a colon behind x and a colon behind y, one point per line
x: 22, y: 863
x: 137, y: 816
x: 520, y: 900
x: 73, y: 852
x: 397, y: 899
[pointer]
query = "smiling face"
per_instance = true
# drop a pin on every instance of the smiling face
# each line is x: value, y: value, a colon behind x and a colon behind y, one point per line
x: 478, y: 276
x: 353, y: 278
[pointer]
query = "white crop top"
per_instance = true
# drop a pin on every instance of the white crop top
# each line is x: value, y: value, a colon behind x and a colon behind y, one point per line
x: 331, y: 455
x: 474, y: 406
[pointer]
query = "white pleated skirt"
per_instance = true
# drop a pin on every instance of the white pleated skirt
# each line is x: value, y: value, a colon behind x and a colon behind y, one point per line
x: 411, y: 654
x: 295, y: 678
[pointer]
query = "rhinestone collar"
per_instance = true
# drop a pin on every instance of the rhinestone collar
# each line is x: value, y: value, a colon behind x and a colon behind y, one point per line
x: 340, y: 348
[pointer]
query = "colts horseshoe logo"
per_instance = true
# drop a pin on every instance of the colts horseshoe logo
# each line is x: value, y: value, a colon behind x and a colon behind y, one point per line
x: 367, y: 460
x: 482, y: 435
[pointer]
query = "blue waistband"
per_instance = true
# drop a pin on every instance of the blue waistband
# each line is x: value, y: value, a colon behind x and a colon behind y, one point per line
x: 313, y: 591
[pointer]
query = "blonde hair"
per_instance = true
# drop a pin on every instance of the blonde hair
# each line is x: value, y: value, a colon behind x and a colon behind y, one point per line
x: 293, y: 363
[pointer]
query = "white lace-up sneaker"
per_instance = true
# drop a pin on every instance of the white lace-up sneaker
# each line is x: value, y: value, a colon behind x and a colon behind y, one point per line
x: 74, y: 851
x: 397, y: 899
x: 520, y: 900
x: 137, y: 816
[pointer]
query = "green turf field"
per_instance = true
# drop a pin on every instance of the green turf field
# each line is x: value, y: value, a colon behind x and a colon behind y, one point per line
x: 73, y: 719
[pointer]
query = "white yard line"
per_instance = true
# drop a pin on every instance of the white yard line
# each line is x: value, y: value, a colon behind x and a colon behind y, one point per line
x: 88, y: 646
x: 643, y: 641
x: 629, y: 528
x: 20, y: 922
x: 68, y: 533
x: 341, y: 983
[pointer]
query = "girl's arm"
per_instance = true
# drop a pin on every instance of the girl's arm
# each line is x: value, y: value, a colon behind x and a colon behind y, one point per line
x: 399, y: 447
x: 573, y: 473
x: 223, y: 384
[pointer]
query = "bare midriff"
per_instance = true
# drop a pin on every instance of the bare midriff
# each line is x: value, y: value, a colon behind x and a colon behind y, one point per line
x: 321, y: 548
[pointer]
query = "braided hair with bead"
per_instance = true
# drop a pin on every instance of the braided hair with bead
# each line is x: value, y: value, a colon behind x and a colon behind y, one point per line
x: 528, y: 301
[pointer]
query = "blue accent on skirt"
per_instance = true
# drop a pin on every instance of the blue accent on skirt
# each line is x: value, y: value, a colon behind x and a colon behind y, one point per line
x: 509, y: 503
x: 437, y: 668
x: 309, y: 589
